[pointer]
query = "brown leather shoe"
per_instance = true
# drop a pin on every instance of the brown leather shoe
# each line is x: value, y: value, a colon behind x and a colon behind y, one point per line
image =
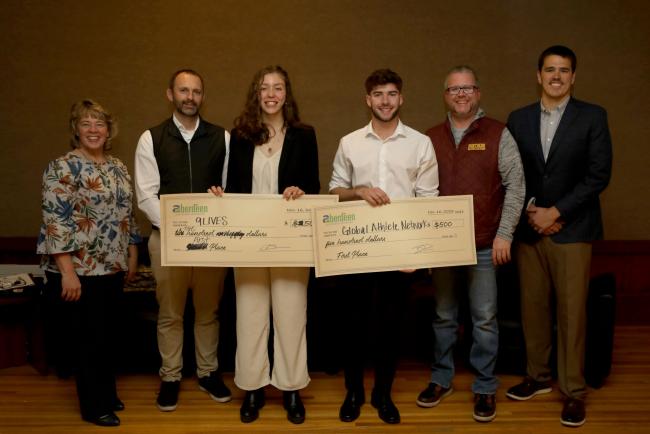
x: 432, y: 395
x: 527, y: 389
x: 573, y: 413
x: 485, y: 407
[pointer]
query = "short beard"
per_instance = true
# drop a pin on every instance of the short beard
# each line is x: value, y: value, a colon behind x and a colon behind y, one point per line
x: 179, y: 109
x: 377, y: 115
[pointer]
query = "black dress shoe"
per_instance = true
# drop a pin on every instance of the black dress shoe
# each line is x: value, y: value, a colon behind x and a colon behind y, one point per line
x: 385, y: 407
x: 351, y: 408
x: 293, y: 405
x: 108, y: 419
x: 250, y: 408
x: 118, y: 405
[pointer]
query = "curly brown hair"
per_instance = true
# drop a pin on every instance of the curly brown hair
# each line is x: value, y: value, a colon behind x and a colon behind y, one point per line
x: 381, y: 77
x: 248, y: 124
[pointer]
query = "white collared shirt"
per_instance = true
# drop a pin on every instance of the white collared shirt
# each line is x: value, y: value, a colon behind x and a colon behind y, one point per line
x: 187, y: 134
x: 403, y: 165
x: 147, y: 176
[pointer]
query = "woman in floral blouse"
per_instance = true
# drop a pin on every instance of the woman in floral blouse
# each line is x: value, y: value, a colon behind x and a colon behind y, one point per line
x: 88, y: 241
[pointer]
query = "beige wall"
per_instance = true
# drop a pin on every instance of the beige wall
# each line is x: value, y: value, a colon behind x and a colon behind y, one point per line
x: 122, y: 52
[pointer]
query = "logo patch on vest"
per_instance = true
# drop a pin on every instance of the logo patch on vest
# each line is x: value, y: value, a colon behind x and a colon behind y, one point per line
x: 476, y: 147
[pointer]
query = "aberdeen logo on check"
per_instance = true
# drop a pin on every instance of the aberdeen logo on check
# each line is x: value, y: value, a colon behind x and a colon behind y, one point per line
x: 189, y: 209
x: 338, y: 218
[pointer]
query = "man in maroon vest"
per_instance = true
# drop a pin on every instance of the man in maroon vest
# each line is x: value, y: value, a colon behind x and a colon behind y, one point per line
x: 477, y: 156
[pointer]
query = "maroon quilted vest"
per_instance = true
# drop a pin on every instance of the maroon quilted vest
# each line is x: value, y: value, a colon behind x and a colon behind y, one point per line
x: 473, y: 168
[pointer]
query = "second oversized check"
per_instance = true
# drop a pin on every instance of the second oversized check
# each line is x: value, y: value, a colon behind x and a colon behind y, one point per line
x: 243, y: 230
x: 353, y: 237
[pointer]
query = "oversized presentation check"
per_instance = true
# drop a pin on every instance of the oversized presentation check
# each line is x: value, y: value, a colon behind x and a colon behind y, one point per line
x: 241, y: 230
x: 353, y: 237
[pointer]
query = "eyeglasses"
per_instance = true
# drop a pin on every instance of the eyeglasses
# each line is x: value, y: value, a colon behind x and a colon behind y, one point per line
x: 467, y: 90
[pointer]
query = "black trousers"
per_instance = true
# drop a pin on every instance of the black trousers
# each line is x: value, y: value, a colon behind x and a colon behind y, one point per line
x: 372, y: 306
x: 90, y: 337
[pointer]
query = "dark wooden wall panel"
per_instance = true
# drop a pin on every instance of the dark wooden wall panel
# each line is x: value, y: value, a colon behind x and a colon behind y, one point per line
x: 122, y: 53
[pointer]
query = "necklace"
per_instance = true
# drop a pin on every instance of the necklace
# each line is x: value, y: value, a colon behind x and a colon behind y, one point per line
x: 276, y: 140
x: 96, y: 160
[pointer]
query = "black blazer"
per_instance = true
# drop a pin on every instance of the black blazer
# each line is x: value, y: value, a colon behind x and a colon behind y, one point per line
x: 577, y: 169
x: 298, y: 162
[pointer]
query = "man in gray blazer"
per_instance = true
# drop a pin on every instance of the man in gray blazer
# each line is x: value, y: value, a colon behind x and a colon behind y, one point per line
x: 566, y: 151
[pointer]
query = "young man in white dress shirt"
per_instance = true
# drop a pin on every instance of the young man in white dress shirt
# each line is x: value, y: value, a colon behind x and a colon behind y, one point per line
x: 382, y: 161
x: 184, y: 154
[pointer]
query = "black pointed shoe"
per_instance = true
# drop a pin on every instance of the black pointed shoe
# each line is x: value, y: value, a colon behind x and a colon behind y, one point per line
x: 118, y: 405
x: 250, y: 408
x: 108, y: 419
x: 294, y: 406
x: 351, y: 408
x: 385, y: 407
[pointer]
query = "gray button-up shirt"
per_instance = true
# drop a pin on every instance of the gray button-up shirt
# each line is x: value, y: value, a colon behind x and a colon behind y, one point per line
x: 548, y: 122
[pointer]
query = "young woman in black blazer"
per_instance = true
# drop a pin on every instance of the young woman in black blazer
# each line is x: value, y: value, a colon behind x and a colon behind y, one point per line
x: 272, y: 152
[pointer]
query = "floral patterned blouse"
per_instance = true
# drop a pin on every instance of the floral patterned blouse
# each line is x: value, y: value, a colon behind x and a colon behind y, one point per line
x: 88, y: 212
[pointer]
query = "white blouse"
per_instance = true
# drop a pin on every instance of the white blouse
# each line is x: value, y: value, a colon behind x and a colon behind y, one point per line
x: 265, y: 171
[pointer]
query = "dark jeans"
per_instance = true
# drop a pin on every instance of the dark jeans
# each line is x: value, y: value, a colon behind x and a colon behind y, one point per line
x: 372, y: 306
x: 90, y: 337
